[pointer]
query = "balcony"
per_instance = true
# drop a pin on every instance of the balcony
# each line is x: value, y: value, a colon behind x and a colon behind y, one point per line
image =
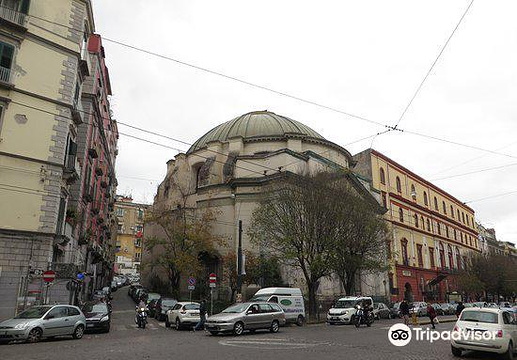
x: 13, y: 17
x: 66, y: 270
x: 85, y: 64
x: 77, y: 112
x: 72, y: 170
x: 6, y: 76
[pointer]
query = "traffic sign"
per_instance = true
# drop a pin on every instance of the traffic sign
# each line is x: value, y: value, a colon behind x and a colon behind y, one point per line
x: 213, y: 278
x: 49, y: 276
x: 191, y: 281
x: 191, y: 287
x: 80, y: 276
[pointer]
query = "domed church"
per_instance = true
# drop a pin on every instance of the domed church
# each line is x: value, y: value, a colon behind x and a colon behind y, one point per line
x: 225, y: 169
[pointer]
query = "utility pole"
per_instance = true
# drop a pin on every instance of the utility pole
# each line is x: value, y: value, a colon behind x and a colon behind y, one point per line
x: 239, y: 260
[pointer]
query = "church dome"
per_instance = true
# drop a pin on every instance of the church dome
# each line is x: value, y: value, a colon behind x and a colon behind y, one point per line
x: 258, y: 126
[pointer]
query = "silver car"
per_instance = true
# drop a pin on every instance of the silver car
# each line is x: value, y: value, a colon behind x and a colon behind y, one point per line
x: 44, y: 321
x: 247, y: 316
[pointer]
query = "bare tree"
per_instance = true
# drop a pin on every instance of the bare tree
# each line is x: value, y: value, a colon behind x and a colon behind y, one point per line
x: 301, y: 220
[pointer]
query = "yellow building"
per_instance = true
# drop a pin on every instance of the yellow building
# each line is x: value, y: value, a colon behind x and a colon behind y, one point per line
x: 130, y: 232
x: 434, y: 233
x: 42, y: 66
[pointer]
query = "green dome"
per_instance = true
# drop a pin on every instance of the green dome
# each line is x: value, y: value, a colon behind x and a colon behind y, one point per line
x: 258, y: 126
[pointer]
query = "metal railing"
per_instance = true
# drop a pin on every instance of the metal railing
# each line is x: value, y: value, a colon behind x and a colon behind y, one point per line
x: 5, y: 74
x: 13, y: 16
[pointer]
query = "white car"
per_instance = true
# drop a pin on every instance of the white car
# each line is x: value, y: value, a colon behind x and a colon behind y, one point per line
x: 484, y: 321
x: 183, y: 314
x: 343, y: 311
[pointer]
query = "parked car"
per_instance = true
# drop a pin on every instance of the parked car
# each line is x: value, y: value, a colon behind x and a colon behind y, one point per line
x: 132, y: 288
x: 183, y: 314
x: 289, y: 299
x: 343, y: 311
x: 162, y: 306
x: 139, y: 294
x: 395, y: 310
x: 98, y: 316
x: 247, y: 316
x: 438, y: 309
x: 481, y: 320
x: 420, y: 308
x: 381, y: 311
x: 448, y: 308
x: 45, y: 321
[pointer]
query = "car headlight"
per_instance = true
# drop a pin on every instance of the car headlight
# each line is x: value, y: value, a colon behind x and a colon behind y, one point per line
x: 20, y: 326
x: 105, y: 318
x: 344, y: 312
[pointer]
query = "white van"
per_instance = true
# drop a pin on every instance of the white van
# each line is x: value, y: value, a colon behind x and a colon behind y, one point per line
x: 290, y: 299
x: 344, y: 309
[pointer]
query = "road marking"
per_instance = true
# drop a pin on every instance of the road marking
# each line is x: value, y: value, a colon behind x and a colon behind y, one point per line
x: 271, y: 344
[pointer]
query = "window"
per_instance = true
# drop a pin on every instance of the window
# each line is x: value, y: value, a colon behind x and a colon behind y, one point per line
x: 73, y: 311
x: 442, y: 256
x: 463, y: 217
x: 446, y: 230
x: 61, y: 216
x: 458, y: 211
x: 428, y: 225
x: 140, y: 214
x: 21, y: 6
x: 455, y: 234
x: 422, y: 222
x: 416, y: 220
x: 438, y: 228
x: 431, y: 257
x: 137, y: 256
x: 413, y: 192
x: 405, y: 259
x: 452, y: 212
x: 58, y: 312
x: 435, y: 203
x: 468, y: 221
x: 382, y: 176
x: 120, y: 212
x: 470, y: 240
x: 458, y: 258
x: 461, y: 235
x: 449, y: 253
x: 265, y: 308
x: 399, y: 185
x: 6, y: 61
x: 444, y: 207
x: 425, y: 199
x: 401, y: 215
x: 384, y: 201
x: 420, y: 256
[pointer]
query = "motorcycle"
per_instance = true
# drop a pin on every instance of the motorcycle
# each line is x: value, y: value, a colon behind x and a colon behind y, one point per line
x: 363, y: 317
x: 141, y: 317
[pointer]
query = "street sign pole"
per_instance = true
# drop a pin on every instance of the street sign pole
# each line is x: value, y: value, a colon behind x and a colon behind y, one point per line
x: 211, y: 301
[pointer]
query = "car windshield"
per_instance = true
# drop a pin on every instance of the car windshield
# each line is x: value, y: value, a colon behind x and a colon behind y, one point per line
x: 479, y: 316
x: 235, y: 309
x: 169, y: 302
x: 153, y: 296
x: 260, y: 298
x: 191, y: 307
x: 34, y: 312
x: 345, y: 304
x: 95, y: 308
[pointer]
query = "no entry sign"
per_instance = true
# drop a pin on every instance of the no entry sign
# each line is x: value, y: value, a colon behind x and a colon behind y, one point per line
x: 49, y: 276
x: 213, y: 279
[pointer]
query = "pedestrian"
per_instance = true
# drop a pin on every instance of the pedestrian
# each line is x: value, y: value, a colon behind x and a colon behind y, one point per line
x: 459, y: 309
x: 404, y: 311
x: 431, y: 312
x: 202, y: 316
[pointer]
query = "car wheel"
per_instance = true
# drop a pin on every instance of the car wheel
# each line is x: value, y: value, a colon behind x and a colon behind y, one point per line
x: 274, y: 326
x: 178, y: 324
x: 214, y: 333
x: 300, y: 320
x: 34, y: 335
x: 238, y: 328
x: 508, y: 355
x: 167, y: 323
x: 455, y: 351
x: 78, y: 332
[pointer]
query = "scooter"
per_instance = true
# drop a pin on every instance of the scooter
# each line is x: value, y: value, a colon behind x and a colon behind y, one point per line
x: 360, y: 317
x: 141, y: 317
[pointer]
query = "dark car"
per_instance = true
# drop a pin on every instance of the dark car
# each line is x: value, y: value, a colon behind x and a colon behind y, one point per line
x: 395, y: 311
x: 162, y: 306
x: 98, y: 316
x: 139, y: 294
x: 132, y: 288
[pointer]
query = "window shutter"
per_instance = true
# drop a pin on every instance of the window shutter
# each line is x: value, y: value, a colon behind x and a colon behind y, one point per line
x: 25, y: 6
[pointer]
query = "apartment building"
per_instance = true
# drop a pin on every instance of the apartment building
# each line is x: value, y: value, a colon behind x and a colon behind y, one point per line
x: 433, y: 232
x: 50, y: 103
x: 130, y: 234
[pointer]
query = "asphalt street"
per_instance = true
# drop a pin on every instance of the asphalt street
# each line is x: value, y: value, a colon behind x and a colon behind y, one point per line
x: 126, y: 341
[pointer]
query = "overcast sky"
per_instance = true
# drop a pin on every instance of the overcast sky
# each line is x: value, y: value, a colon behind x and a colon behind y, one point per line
x: 363, y: 57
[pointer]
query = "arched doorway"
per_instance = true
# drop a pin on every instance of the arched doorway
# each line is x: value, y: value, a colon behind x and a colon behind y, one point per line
x: 408, y: 292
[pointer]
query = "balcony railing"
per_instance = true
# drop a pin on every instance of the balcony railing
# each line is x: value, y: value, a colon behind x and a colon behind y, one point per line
x: 13, y: 16
x: 5, y: 74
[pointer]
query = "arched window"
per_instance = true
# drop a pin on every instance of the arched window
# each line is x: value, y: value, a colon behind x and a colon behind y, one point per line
x: 446, y: 230
x: 461, y: 236
x: 422, y: 222
x: 444, y: 207
x: 452, y: 212
x: 450, y: 256
x: 428, y: 225
x: 405, y: 259
x: 416, y: 220
x: 382, y: 176
x: 425, y: 199
x: 435, y: 203
x: 442, y: 256
x: 401, y: 215
x: 463, y: 217
x: 399, y: 185
x: 458, y: 211
x: 438, y: 228
x: 468, y: 221
x: 413, y: 192
x: 455, y: 234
